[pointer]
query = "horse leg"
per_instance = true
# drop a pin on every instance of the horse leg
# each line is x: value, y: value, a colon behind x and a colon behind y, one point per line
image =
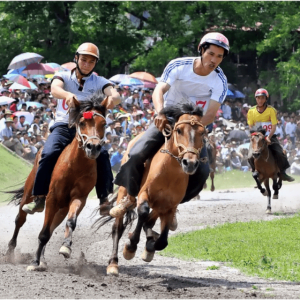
x: 255, y: 175
x: 212, y: 176
x: 134, y: 238
x: 76, y: 207
x: 162, y: 241
x: 266, y: 183
x: 117, y: 232
x: 275, y: 188
x: 151, y: 235
x: 44, y: 236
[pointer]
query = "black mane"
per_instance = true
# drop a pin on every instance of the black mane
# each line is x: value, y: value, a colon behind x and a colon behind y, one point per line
x: 93, y: 102
x: 174, y: 112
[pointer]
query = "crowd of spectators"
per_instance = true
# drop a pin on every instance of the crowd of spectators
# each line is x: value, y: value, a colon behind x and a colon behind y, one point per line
x: 24, y: 126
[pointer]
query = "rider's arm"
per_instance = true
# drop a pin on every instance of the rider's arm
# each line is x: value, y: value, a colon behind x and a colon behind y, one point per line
x: 113, y: 96
x: 210, y: 114
x: 157, y: 96
x: 57, y: 90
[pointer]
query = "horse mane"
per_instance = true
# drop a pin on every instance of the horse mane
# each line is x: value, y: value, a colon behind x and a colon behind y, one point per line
x: 93, y: 102
x: 174, y: 112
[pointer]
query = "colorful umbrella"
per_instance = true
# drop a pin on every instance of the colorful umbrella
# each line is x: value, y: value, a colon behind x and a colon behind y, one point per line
x: 28, y: 116
x: 6, y: 100
x: 69, y: 66
x: 38, y: 69
x: 132, y: 82
x: 31, y: 103
x: 18, y: 79
x: 17, y: 86
x: 24, y: 59
x: 17, y: 71
x: 149, y: 85
x: 118, y: 78
x: 144, y: 76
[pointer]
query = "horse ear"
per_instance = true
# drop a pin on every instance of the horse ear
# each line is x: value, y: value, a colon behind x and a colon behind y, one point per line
x: 263, y: 131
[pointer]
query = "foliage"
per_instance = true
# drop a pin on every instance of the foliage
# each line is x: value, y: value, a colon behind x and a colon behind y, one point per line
x: 264, y: 36
x: 257, y: 248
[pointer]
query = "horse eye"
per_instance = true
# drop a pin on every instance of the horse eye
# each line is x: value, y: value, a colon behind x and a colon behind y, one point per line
x: 81, y: 124
x: 178, y: 131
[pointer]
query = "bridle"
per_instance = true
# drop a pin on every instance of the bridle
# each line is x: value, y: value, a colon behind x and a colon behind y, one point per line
x: 81, y: 136
x: 167, y: 131
x: 260, y: 149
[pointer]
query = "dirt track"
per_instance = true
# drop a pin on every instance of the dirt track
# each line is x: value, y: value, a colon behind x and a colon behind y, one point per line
x: 85, y: 277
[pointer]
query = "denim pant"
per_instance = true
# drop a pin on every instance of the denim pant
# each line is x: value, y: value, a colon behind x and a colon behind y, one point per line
x: 131, y: 173
x: 61, y: 136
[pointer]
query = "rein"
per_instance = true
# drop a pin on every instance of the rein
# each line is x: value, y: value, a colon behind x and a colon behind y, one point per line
x: 81, y: 136
x: 261, y: 149
x: 167, y: 131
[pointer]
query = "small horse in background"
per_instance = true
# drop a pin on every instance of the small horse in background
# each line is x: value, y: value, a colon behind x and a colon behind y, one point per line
x: 164, y: 183
x: 212, y: 157
x: 265, y: 166
x: 73, y: 177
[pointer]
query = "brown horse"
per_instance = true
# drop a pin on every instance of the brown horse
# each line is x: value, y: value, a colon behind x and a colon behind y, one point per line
x: 73, y: 177
x: 265, y: 166
x: 212, y: 156
x: 164, y: 184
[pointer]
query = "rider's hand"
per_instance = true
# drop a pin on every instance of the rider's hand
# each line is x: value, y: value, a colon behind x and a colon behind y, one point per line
x: 110, y: 103
x: 268, y: 140
x: 72, y: 101
x: 160, y: 122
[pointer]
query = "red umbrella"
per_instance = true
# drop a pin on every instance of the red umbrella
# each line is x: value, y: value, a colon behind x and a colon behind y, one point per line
x: 38, y: 69
x: 18, y: 79
x: 69, y: 66
x: 144, y: 76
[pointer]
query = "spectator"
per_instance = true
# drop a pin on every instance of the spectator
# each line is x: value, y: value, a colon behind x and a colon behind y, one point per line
x: 290, y: 129
x: 295, y: 166
x: 235, y: 160
x: 35, y: 128
x: 133, y: 100
x: 226, y: 110
x: 116, y: 159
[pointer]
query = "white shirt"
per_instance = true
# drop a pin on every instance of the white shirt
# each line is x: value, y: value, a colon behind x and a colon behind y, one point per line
x: 290, y: 128
x: 187, y: 86
x: 226, y: 109
x: 91, y: 85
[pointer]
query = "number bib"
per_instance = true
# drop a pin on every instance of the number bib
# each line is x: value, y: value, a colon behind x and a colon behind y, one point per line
x: 265, y: 125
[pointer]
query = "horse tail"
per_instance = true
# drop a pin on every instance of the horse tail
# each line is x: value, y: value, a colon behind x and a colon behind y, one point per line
x: 17, y: 195
x: 209, y: 148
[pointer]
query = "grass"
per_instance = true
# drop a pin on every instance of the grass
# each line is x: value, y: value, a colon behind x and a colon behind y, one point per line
x: 238, y: 179
x: 13, y: 172
x: 266, y: 249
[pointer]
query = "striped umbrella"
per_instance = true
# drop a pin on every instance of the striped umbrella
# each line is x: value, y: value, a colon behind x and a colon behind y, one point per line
x: 24, y: 59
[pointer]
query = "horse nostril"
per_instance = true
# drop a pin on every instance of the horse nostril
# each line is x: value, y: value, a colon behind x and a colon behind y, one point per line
x: 185, y: 162
x: 89, y: 146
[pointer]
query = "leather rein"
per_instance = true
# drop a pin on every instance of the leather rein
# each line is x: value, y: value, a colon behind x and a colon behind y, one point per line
x: 260, y: 149
x: 80, y: 136
x: 168, y: 131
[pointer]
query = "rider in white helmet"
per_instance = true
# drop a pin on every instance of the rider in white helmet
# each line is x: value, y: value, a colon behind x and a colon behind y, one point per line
x: 70, y: 87
x: 198, y: 80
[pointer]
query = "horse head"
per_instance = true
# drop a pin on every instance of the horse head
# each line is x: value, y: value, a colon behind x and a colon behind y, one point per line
x: 258, y: 142
x: 187, y: 134
x: 89, y: 120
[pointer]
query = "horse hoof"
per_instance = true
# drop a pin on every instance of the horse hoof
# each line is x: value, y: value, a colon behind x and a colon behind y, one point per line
x: 127, y: 254
x: 39, y: 268
x: 268, y: 211
x: 212, y: 189
x: 65, y: 251
x: 43, y: 266
x: 265, y: 193
x: 147, y: 256
x: 275, y: 196
x: 112, y: 270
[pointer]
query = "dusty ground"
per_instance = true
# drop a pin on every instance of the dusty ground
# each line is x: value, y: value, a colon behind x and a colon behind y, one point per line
x: 163, y: 277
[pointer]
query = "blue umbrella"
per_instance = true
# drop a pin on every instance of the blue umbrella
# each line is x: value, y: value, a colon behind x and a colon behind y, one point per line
x: 17, y: 71
x: 132, y: 82
x: 118, y: 78
x: 238, y: 94
x: 230, y: 94
x: 31, y: 103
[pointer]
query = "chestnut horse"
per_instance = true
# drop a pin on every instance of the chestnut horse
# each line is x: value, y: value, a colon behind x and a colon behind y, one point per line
x: 265, y: 166
x: 73, y: 177
x: 164, y: 183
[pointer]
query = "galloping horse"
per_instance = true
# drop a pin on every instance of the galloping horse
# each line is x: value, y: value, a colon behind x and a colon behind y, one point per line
x: 164, y: 183
x: 265, y: 166
x: 73, y: 177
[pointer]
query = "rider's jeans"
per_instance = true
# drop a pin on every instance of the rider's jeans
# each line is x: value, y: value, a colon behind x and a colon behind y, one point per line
x: 131, y: 173
x: 61, y: 136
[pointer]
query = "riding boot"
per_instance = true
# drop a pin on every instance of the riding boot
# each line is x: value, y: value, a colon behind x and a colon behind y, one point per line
x: 37, y: 205
x: 286, y: 177
x: 126, y: 204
